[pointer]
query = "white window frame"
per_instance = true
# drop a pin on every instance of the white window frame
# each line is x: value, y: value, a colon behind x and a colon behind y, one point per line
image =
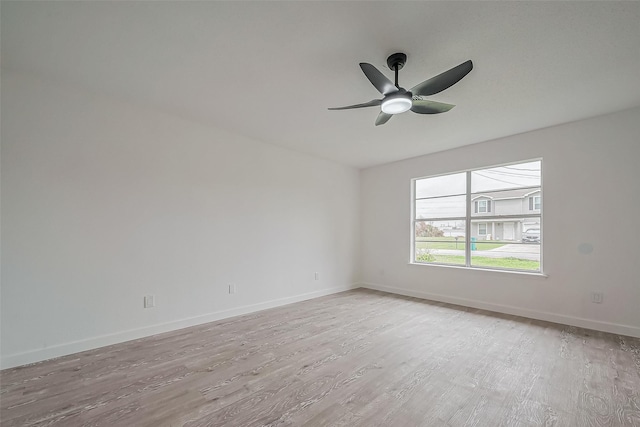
x: 468, y: 221
x: 481, y: 204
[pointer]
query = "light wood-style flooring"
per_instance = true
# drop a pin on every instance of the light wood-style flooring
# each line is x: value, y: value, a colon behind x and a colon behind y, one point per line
x: 357, y: 358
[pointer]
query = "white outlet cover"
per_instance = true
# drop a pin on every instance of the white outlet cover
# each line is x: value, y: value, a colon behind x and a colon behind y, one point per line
x: 597, y: 297
x: 149, y: 301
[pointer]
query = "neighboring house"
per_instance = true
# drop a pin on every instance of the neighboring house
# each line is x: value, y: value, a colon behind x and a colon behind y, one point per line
x: 525, y: 201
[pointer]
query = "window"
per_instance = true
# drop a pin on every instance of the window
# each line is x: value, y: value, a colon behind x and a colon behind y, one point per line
x: 484, y: 218
x: 534, y: 203
x: 483, y: 206
x: 482, y: 229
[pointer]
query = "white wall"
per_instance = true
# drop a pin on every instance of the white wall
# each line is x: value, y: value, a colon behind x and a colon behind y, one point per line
x: 591, y: 176
x: 104, y: 202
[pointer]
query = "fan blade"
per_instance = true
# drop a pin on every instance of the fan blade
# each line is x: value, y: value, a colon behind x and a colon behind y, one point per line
x: 443, y: 81
x: 430, y: 107
x: 371, y: 103
x: 383, y: 118
x: 383, y: 84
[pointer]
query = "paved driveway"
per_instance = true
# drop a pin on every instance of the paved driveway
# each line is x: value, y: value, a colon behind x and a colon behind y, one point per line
x: 525, y: 248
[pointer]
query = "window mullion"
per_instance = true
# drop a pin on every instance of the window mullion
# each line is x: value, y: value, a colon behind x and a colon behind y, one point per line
x: 467, y: 245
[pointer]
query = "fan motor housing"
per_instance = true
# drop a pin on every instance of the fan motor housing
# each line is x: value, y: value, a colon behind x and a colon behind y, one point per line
x: 396, y: 60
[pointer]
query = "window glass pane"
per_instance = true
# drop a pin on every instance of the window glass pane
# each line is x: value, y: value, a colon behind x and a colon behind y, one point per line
x: 441, y: 185
x: 441, y: 207
x: 504, y: 232
x: 440, y: 242
x: 506, y: 177
x: 507, y: 244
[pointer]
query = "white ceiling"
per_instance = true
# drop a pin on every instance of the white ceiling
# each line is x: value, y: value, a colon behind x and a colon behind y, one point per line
x: 269, y: 70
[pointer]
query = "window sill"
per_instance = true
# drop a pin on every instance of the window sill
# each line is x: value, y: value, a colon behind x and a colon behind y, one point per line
x: 491, y: 270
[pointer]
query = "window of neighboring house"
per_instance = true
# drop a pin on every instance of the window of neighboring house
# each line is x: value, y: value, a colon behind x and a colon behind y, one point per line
x: 447, y: 210
x: 535, y: 203
x: 483, y: 206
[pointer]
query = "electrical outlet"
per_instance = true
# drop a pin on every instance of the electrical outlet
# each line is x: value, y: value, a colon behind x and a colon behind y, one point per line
x: 149, y: 301
x: 317, y: 276
x: 232, y: 288
x: 597, y: 297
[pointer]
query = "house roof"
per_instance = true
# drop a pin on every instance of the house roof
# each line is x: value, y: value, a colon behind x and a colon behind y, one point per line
x: 507, y: 194
x: 269, y: 70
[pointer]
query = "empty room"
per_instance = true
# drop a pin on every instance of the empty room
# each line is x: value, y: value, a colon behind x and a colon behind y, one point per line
x: 320, y: 213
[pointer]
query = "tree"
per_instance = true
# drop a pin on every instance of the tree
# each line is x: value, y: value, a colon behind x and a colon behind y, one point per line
x: 424, y: 229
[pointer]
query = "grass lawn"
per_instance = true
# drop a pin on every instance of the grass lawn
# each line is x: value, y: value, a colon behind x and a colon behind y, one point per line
x: 479, y: 261
x: 450, y: 243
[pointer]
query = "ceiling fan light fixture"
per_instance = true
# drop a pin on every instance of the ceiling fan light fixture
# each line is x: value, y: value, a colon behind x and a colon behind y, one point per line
x: 396, y: 104
x: 397, y: 99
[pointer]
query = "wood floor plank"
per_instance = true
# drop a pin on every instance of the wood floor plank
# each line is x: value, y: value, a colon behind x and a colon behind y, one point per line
x: 358, y: 358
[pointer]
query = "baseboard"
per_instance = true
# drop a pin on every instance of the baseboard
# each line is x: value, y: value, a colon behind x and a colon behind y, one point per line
x: 597, y: 325
x: 33, y: 356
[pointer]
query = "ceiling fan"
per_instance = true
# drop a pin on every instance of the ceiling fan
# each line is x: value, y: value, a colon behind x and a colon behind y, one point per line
x: 397, y: 100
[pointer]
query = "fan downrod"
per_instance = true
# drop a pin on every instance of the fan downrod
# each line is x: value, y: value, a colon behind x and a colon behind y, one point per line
x: 396, y: 60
